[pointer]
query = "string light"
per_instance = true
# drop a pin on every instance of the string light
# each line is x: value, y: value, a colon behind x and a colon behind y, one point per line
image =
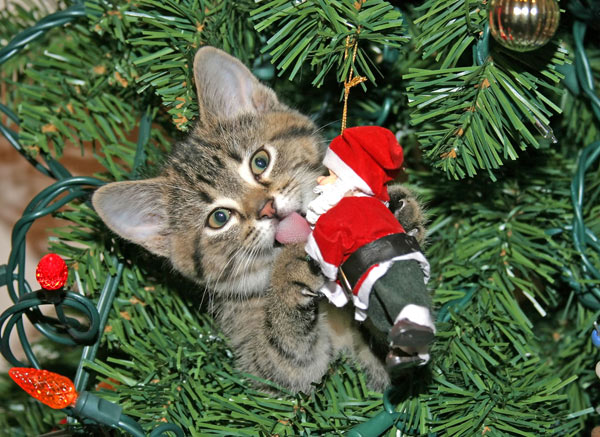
x: 51, y: 389
x: 51, y: 272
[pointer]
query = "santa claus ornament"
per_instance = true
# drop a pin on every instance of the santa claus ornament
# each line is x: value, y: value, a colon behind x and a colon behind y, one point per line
x: 364, y: 251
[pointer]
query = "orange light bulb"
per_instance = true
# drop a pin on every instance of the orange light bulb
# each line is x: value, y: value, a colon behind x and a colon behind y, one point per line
x: 49, y: 388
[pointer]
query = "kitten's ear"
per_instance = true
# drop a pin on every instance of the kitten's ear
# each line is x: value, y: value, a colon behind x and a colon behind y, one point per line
x: 226, y: 88
x: 136, y: 211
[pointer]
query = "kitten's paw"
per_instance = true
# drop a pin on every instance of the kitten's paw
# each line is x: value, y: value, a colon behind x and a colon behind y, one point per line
x: 369, y: 357
x: 408, y: 211
x: 295, y: 273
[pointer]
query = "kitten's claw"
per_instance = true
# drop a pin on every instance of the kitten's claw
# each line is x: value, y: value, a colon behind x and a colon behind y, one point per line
x: 413, y: 232
x: 307, y: 292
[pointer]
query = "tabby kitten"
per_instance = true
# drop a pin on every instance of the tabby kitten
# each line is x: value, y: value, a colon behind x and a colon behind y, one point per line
x: 214, y: 210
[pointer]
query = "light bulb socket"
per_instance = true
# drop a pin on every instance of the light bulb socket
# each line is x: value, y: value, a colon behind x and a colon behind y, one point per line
x: 100, y: 410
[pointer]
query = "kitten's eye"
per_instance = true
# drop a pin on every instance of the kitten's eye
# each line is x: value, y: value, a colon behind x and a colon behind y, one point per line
x: 218, y: 218
x: 259, y: 162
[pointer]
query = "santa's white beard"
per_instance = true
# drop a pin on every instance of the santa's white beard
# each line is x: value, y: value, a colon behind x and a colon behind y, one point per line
x: 329, y: 196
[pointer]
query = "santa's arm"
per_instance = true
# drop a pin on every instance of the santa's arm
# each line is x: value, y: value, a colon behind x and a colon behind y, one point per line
x: 329, y: 269
x: 331, y: 289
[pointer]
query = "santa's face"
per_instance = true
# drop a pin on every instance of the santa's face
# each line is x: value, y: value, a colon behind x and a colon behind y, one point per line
x: 326, y: 180
x: 331, y: 190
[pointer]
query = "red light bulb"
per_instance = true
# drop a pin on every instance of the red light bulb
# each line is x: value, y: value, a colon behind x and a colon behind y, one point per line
x: 50, y: 388
x: 51, y: 272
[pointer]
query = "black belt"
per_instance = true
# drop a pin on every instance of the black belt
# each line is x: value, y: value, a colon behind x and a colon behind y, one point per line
x: 382, y: 249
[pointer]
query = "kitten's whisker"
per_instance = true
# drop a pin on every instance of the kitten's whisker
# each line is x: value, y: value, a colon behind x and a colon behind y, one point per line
x: 248, y: 267
x: 238, y: 252
x: 250, y: 262
x: 239, y: 259
x: 239, y: 256
x: 245, y: 267
x: 323, y: 126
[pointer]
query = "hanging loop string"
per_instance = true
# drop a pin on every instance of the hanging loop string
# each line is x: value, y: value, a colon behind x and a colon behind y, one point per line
x: 351, y: 81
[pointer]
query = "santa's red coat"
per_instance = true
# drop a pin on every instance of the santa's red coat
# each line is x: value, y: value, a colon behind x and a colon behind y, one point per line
x: 349, y: 225
x: 352, y: 223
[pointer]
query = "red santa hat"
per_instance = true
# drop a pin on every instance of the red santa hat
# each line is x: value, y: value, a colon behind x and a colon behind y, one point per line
x: 366, y: 157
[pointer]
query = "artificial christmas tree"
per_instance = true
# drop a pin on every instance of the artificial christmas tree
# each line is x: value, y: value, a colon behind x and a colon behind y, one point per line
x: 512, y: 238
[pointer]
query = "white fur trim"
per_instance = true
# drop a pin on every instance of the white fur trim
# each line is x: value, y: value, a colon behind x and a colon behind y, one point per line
x: 312, y: 248
x: 360, y: 309
x: 360, y: 315
x: 333, y: 162
x: 376, y: 272
x: 329, y: 195
x: 312, y: 217
x: 417, y: 314
x: 334, y: 293
x: 425, y: 358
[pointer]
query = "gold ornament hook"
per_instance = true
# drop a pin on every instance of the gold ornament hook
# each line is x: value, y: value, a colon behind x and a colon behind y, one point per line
x: 351, y: 81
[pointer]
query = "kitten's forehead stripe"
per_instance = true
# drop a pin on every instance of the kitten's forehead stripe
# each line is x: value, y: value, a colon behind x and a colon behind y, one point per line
x: 201, y: 176
x: 203, y: 143
x: 218, y: 163
x: 192, y: 174
x: 292, y: 132
x: 182, y: 169
x: 234, y: 154
x: 207, y: 198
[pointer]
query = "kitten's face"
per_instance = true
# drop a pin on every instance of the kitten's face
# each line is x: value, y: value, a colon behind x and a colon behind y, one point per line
x: 227, y: 188
x: 215, y: 209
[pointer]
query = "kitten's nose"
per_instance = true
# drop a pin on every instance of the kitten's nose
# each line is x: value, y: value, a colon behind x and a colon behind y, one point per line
x: 268, y: 210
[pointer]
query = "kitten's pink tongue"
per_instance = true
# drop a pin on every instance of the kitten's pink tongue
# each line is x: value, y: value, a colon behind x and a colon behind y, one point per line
x: 292, y: 229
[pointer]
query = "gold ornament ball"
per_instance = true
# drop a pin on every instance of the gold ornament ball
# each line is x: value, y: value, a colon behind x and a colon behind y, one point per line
x: 523, y: 25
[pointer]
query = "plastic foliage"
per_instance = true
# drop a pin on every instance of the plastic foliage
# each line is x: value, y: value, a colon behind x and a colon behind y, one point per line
x: 317, y: 34
x: 481, y: 105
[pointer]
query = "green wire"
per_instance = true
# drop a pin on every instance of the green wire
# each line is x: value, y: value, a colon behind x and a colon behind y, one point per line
x: 481, y: 50
x: 128, y: 424
x: 107, y: 295
x: 583, y: 236
x: 37, y: 208
x: 167, y: 427
x: 28, y: 305
x: 40, y: 28
x: 28, y: 302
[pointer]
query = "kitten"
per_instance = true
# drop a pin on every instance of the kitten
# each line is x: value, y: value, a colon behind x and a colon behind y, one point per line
x: 213, y: 212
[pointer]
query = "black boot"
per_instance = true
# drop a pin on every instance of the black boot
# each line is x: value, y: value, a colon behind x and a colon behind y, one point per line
x: 399, y: 315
